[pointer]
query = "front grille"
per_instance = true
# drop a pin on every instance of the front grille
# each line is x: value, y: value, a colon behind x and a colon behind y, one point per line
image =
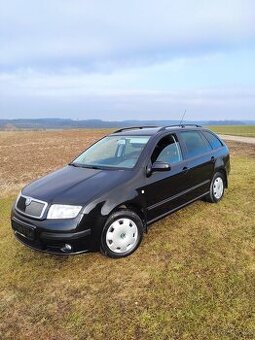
x: 30, y: 206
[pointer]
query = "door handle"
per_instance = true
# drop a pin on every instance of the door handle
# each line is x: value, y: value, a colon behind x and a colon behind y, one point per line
x: 185, y: 169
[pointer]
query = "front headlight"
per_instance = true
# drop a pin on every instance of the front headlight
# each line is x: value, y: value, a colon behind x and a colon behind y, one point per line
x: 59, y: 211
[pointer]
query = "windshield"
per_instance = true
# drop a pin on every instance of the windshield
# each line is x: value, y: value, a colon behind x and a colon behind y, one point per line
x: 113, y: 151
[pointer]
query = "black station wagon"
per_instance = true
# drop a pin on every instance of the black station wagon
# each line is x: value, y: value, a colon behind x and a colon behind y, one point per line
x: 108, y: 196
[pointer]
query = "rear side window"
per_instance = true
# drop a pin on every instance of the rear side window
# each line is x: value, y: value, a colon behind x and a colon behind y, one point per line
x: 196, y: 144
x: 213, y: 140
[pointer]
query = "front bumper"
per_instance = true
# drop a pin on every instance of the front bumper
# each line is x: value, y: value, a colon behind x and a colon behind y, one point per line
x: 30, y: 233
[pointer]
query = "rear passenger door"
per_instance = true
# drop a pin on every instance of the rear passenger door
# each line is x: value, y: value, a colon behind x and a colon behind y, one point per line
x: 200, y: 162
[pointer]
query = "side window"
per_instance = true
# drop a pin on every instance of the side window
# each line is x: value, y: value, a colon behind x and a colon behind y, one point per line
x: 167, y: 150
x: 213, y: 140
x: 196, y: 144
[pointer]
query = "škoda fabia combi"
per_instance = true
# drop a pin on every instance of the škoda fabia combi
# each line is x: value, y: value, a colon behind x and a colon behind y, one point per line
x: 106, y: 198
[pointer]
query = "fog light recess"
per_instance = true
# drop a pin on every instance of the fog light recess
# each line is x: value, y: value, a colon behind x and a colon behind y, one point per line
x: 67, y: 248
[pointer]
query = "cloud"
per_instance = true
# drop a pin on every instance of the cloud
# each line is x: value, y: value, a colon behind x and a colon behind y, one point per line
x: 104, y: 35
x: 124, y: 60
x: 215, y: 70
x: 220, y: 103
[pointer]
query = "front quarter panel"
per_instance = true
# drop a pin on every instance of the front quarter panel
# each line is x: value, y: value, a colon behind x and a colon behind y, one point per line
x: 129, y: 194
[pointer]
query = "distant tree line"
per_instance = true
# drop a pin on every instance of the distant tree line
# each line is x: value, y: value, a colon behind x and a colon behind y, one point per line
x: 59, y: 123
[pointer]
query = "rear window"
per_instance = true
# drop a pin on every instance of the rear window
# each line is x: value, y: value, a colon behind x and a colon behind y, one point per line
x: 196, y: 144
x: 213, y: 140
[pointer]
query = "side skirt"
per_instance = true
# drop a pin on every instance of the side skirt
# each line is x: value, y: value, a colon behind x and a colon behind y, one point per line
x: 178, y: 208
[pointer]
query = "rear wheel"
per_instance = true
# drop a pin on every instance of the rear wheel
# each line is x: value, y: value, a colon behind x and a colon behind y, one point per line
x: 217, y: 188
x: 122, y: 234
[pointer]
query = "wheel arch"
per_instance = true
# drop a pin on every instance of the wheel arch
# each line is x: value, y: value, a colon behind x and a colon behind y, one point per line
x: 223, y: 171
x: 133, y: 207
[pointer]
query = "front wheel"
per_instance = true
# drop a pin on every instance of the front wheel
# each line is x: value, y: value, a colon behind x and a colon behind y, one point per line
x: 122, y: 234
x: 217, y: 188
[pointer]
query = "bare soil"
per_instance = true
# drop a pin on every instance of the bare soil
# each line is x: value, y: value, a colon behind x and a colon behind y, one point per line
x: 27, y: 155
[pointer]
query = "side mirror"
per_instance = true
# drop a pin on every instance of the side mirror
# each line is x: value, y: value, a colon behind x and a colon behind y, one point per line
x: 158, y: 166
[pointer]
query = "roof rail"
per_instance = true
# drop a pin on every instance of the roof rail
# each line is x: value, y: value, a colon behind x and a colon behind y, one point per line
x: 135, y: 127
x: 178, y: 125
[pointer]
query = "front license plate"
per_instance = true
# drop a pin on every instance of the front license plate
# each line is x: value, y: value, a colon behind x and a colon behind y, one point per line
x: 25, y: 231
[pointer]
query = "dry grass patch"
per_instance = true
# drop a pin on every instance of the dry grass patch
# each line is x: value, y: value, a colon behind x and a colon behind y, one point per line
x: 192, y: 277
x: 236, y: 130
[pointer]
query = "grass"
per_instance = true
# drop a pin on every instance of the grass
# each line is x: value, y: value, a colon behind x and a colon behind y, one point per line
x: 236, y: 130
x: 192, y: 278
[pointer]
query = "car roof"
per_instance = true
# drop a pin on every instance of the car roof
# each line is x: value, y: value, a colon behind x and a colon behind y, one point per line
x: 152, y: 130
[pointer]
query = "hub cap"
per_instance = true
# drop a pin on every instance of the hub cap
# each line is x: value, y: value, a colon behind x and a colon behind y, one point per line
x: 218, y: 187
x: 122, y: 236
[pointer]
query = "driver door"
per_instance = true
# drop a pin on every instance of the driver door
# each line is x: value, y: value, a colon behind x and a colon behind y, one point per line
x: 165, y: 191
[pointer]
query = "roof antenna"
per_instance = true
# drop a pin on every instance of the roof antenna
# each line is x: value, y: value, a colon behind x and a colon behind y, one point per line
x: 183, y: 115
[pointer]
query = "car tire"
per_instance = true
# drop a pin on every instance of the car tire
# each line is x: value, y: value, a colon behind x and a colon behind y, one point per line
x: 217, y: 188
x: 122, y: 234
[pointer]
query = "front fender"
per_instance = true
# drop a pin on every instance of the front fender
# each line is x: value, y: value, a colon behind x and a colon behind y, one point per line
x: 96, y: 213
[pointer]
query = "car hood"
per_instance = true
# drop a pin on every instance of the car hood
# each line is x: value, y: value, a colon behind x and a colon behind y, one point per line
x: 75, y: 185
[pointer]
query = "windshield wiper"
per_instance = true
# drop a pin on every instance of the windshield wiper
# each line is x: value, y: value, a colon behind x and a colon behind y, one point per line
x: 74, y: 164
x: 91, y: 166
x: 79, y: 165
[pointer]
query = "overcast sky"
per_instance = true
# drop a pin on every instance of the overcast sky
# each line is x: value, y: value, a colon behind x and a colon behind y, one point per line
x: 135, y: 59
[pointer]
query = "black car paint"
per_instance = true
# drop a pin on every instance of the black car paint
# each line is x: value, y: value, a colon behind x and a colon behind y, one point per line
x: 103, y: 191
